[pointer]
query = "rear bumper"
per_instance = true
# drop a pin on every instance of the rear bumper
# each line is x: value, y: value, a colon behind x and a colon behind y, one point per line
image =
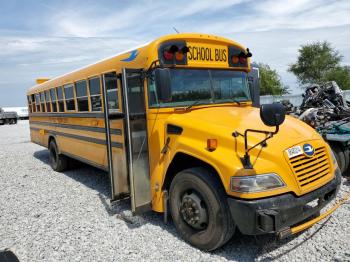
x: 271, y: 215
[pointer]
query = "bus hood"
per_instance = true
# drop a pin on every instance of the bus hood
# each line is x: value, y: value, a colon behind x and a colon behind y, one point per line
x: 222, y: 121
x: 232, y: 118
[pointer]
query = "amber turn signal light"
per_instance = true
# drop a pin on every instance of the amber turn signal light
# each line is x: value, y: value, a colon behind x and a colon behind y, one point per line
x: 179, y: 56
x: 212, y: 144
x: 235, y: 59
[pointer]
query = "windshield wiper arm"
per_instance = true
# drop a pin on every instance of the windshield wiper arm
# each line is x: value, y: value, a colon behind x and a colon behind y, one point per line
x: 197, y: 101
x: 236, y: 101
x: 191, y: 105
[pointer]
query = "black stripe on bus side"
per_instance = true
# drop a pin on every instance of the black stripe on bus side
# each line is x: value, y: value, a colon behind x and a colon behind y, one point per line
x: 114, y: 131
x: 83, y: 138
x: 114, y: 115
x: 82, y: 115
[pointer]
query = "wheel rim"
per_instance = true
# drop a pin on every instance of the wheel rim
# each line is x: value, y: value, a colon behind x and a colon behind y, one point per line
x: 193, y: 210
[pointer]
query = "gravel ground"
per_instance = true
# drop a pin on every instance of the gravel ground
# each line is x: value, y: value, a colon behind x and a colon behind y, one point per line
x: 49, y: 216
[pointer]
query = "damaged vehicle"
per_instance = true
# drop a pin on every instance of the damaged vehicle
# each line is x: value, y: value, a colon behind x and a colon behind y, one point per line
x: 325, y: 108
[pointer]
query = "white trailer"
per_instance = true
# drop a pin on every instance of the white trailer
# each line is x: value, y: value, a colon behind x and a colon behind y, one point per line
x: 8, y: 118
x: 22, y: 112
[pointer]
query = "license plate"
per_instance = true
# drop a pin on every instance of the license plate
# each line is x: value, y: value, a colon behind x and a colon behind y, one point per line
x: 313, y: 203
x: 294, y: 151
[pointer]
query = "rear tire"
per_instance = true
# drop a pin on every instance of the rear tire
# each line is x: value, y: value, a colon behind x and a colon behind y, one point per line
x: 347, y: 159
x: 340, y: 156
x: 58, y: 161
x: 197, y: 194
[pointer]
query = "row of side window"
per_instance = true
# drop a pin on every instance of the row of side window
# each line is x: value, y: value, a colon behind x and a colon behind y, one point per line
x: 82, y: 96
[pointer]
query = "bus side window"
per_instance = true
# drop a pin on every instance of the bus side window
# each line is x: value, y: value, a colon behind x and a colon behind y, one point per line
x: 95, y: 94
x: 42, y: 100
x: 37, y: 102
x: 82, y: 98
x: 33, y: 102
x: 29, y: 103
x: 48, y: 101
x: 53, y: 99
x: 60, y: 99
x: 69, y: 97
x: 111, y: 82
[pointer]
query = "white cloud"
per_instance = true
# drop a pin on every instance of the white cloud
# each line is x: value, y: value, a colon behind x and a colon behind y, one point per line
x: 87, y: 21
x: 15, y: 45
x: 91, y: 22
x: 80, y: 33
x: 286, y: 7
x: 278, y: 15
x: 186, y: 8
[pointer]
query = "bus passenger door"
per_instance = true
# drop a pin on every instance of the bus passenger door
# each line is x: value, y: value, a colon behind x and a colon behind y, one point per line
x: 115, y: 141
x: 136, y: 140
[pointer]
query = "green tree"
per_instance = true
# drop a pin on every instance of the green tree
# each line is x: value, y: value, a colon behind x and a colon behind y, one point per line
x: 320, y: 62
x: 341, y: 75
x: 270, y: 81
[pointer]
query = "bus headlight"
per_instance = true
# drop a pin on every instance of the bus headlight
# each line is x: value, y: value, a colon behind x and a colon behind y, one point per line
x: 257, y: 183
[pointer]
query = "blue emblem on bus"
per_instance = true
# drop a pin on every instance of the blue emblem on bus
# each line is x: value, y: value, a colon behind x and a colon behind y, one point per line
x: 133, y: 55
x: 309, y: 150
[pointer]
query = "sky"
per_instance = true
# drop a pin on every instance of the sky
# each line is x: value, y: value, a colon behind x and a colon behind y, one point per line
x: 49, y: 38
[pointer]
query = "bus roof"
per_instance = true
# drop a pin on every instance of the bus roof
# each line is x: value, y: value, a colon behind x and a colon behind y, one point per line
x: 135, y: 57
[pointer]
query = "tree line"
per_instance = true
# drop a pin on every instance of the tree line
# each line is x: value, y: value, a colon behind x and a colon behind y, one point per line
x: 316, y: 63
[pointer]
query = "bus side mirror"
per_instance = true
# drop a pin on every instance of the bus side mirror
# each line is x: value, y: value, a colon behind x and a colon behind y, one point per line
x: 163, y: 83
x: 272, y: 114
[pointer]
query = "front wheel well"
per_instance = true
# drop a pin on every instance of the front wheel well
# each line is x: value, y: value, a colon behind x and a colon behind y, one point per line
x: 182, y: 161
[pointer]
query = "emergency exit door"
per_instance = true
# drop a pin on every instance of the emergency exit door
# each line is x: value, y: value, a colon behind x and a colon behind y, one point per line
x: 136, y: 144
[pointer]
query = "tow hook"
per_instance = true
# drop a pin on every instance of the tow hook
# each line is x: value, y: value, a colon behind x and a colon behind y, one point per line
x: 284, y: 233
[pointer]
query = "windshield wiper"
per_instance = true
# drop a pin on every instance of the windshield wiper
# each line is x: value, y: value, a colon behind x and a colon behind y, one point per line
x: 191, y: 105
x: 197, y: 101
x: 236, y: 101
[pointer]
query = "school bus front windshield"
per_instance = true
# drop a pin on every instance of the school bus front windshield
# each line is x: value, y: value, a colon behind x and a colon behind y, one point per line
x: 202, y: 86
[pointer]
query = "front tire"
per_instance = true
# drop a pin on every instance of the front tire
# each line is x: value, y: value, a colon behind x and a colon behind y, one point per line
x: 58, y: 161
x: 199, y: 209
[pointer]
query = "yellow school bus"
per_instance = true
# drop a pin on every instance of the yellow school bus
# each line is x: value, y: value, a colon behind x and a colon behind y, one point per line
x: 172, y: 123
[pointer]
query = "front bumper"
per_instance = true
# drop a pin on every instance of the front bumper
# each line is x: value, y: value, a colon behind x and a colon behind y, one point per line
x: 273, y: 214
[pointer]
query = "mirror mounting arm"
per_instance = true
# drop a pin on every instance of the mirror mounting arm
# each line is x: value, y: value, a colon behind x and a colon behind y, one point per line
x: 268, y: 133
x: 156, y: 64
x: 246, y: 158
x: 148, y: 72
